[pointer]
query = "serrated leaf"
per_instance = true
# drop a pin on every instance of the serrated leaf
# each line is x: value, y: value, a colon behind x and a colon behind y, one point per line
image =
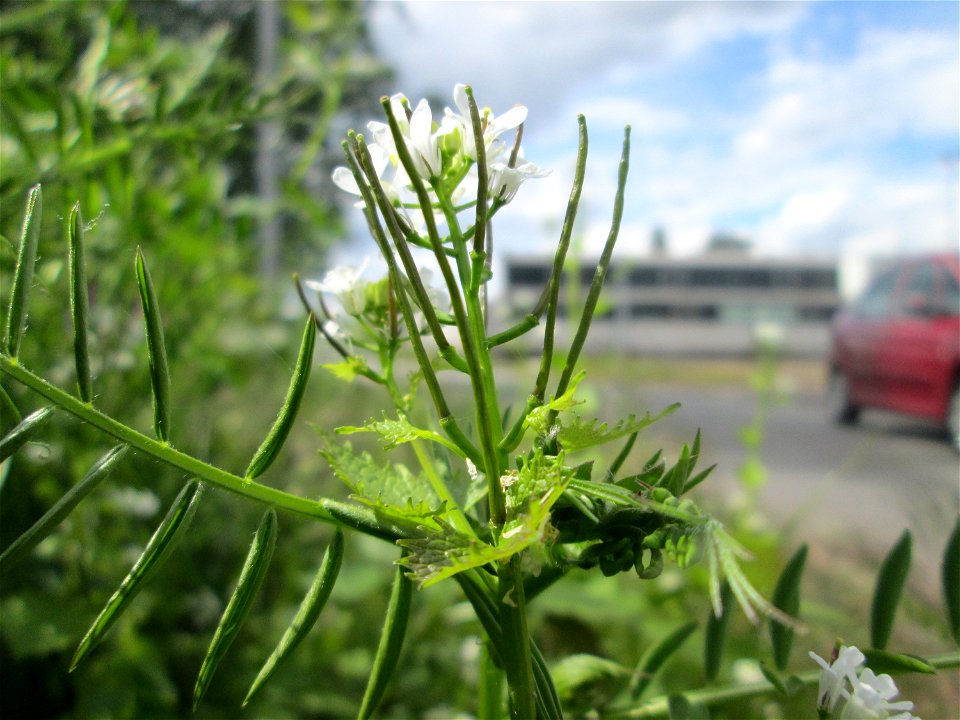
x: 391, y: 642
x: 950, y: 581
x: 79, y: 302
x: 251, y: 577
x: 397, y: 432
x: 881, y: 661
x: 580, y: 434
x: 538, y: 418
x: 307, y: 614
x: 607, y: 492
x: 158, y: 549
x: 886, y: 595
x: 348, y: 369
x: 159, y: 372
x: 23, y: 273
x: 63, y: 507
x: 24, y: 430
x: 391, y: 489
x: 786, y: 596
x: 716, y: 633
x: 443, y: 554
x: 656, y: 657
x: 272, y: 444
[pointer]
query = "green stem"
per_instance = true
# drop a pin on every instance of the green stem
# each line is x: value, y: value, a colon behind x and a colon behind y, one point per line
x: 659, y: 707
x: 516, y: 641
x: 163, y: 451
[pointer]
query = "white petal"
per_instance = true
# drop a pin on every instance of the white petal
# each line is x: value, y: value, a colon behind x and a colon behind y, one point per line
x: 344, y: 180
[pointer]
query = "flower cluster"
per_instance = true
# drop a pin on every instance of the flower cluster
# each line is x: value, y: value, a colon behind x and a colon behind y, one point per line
x: 866, y: 695
x: 444, y: 153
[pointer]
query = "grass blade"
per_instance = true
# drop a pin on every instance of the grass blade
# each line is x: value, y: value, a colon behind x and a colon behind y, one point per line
x: 716, y: 633
x: 391, y: 641
x: 886, y: 596
x: 656, y: 657
x: 78, y: 302
x: 950, y: 577
x: 63, y: 507
x: 307, y: 614
x: 25, y: 429
x: 251, y: 577
x: 271, y: 446
x: 159, y: 374
x: 786, y: 596
x: 158, y: 549
x: 23, y: 274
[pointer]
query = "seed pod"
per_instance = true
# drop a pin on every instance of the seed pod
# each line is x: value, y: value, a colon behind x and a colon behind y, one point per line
x: 159, y: 373
x: 79, y: 302
x: 25, y: 429
x: 254, y: 570
x: 23, y: 274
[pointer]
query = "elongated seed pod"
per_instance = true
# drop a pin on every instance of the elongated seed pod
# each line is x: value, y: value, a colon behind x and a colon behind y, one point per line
x: 24, y: 430
x: 158, y: 549
x: 391, y: 642
x: 251, y: 577
x: 23, y: 274
x: 63, y: 507
x: 78, y: 302
x: 270, y: 448
x: 159, y: 374
x: 310, y: 608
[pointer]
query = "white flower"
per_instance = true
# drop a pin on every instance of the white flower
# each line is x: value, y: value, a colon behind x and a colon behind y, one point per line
x: 344, y: 282
x: 504, y: 181
x: 871, y: 698
x: 492, y: 126
x: 343, y: 178
x: 833, y: 676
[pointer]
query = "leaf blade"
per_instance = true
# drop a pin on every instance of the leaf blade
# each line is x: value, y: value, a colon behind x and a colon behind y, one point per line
x: 886, y: 596
x: 786, y: 596
x: 656, y: 657
x: 23, y: 431
x: 158, y: 549
x: 79, y: 302
x: 950, y: 581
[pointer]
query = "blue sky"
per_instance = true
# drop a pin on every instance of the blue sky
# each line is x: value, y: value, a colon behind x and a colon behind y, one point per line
x: 809, y: 128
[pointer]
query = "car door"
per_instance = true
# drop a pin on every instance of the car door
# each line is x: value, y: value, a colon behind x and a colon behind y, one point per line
x: 916, y: 354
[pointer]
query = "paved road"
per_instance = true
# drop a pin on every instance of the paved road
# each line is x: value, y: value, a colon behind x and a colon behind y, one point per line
x: 865, y: 483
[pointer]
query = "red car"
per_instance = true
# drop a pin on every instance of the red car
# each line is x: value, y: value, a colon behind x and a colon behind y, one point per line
x: 898, y: 346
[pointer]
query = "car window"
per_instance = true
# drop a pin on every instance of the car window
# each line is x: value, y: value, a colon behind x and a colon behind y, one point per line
x: 947, y: 299
x: 876, y: 301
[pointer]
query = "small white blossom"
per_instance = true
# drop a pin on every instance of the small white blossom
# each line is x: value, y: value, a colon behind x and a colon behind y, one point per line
x: 504, y: 181
x: 834, y: 675
x: 492, y: 126
x: 871, y: 699
x: 344, y: 282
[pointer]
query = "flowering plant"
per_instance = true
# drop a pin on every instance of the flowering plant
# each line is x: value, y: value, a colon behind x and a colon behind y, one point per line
x: 504, y: 507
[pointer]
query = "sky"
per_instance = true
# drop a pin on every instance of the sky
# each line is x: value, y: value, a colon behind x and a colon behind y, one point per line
x: 825, y: 129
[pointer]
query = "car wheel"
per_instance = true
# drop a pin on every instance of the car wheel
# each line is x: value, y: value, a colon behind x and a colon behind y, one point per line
x: 953, y: 418
x: 840, y: 408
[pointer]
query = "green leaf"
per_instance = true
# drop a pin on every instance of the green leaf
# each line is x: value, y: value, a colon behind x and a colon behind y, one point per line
x: 23, y: 274
x: 251, y: 577
x: 580, y: 435
x: 587, y: 681
x: 158, y: 549
x: 396, y: 432
x: 607, y: 492
x: 683, y: 709
x: 656, y: 657
x: 9, y: 414
x: 886, y: 595
x: 159, y: 373
x: 348, y: 369
x: 26, y: 429
x: 391, y: 489
x: 443, y: 554
x: 881, y: 661
x: 786, y: 596
x: 950, y: 579
x: 63, y: 507
x: 716, y: 633
x: 272, y: 444
x: 310, y: 608
x: 538, y: 418
x: 391, y: 642
x: 79, y: 302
